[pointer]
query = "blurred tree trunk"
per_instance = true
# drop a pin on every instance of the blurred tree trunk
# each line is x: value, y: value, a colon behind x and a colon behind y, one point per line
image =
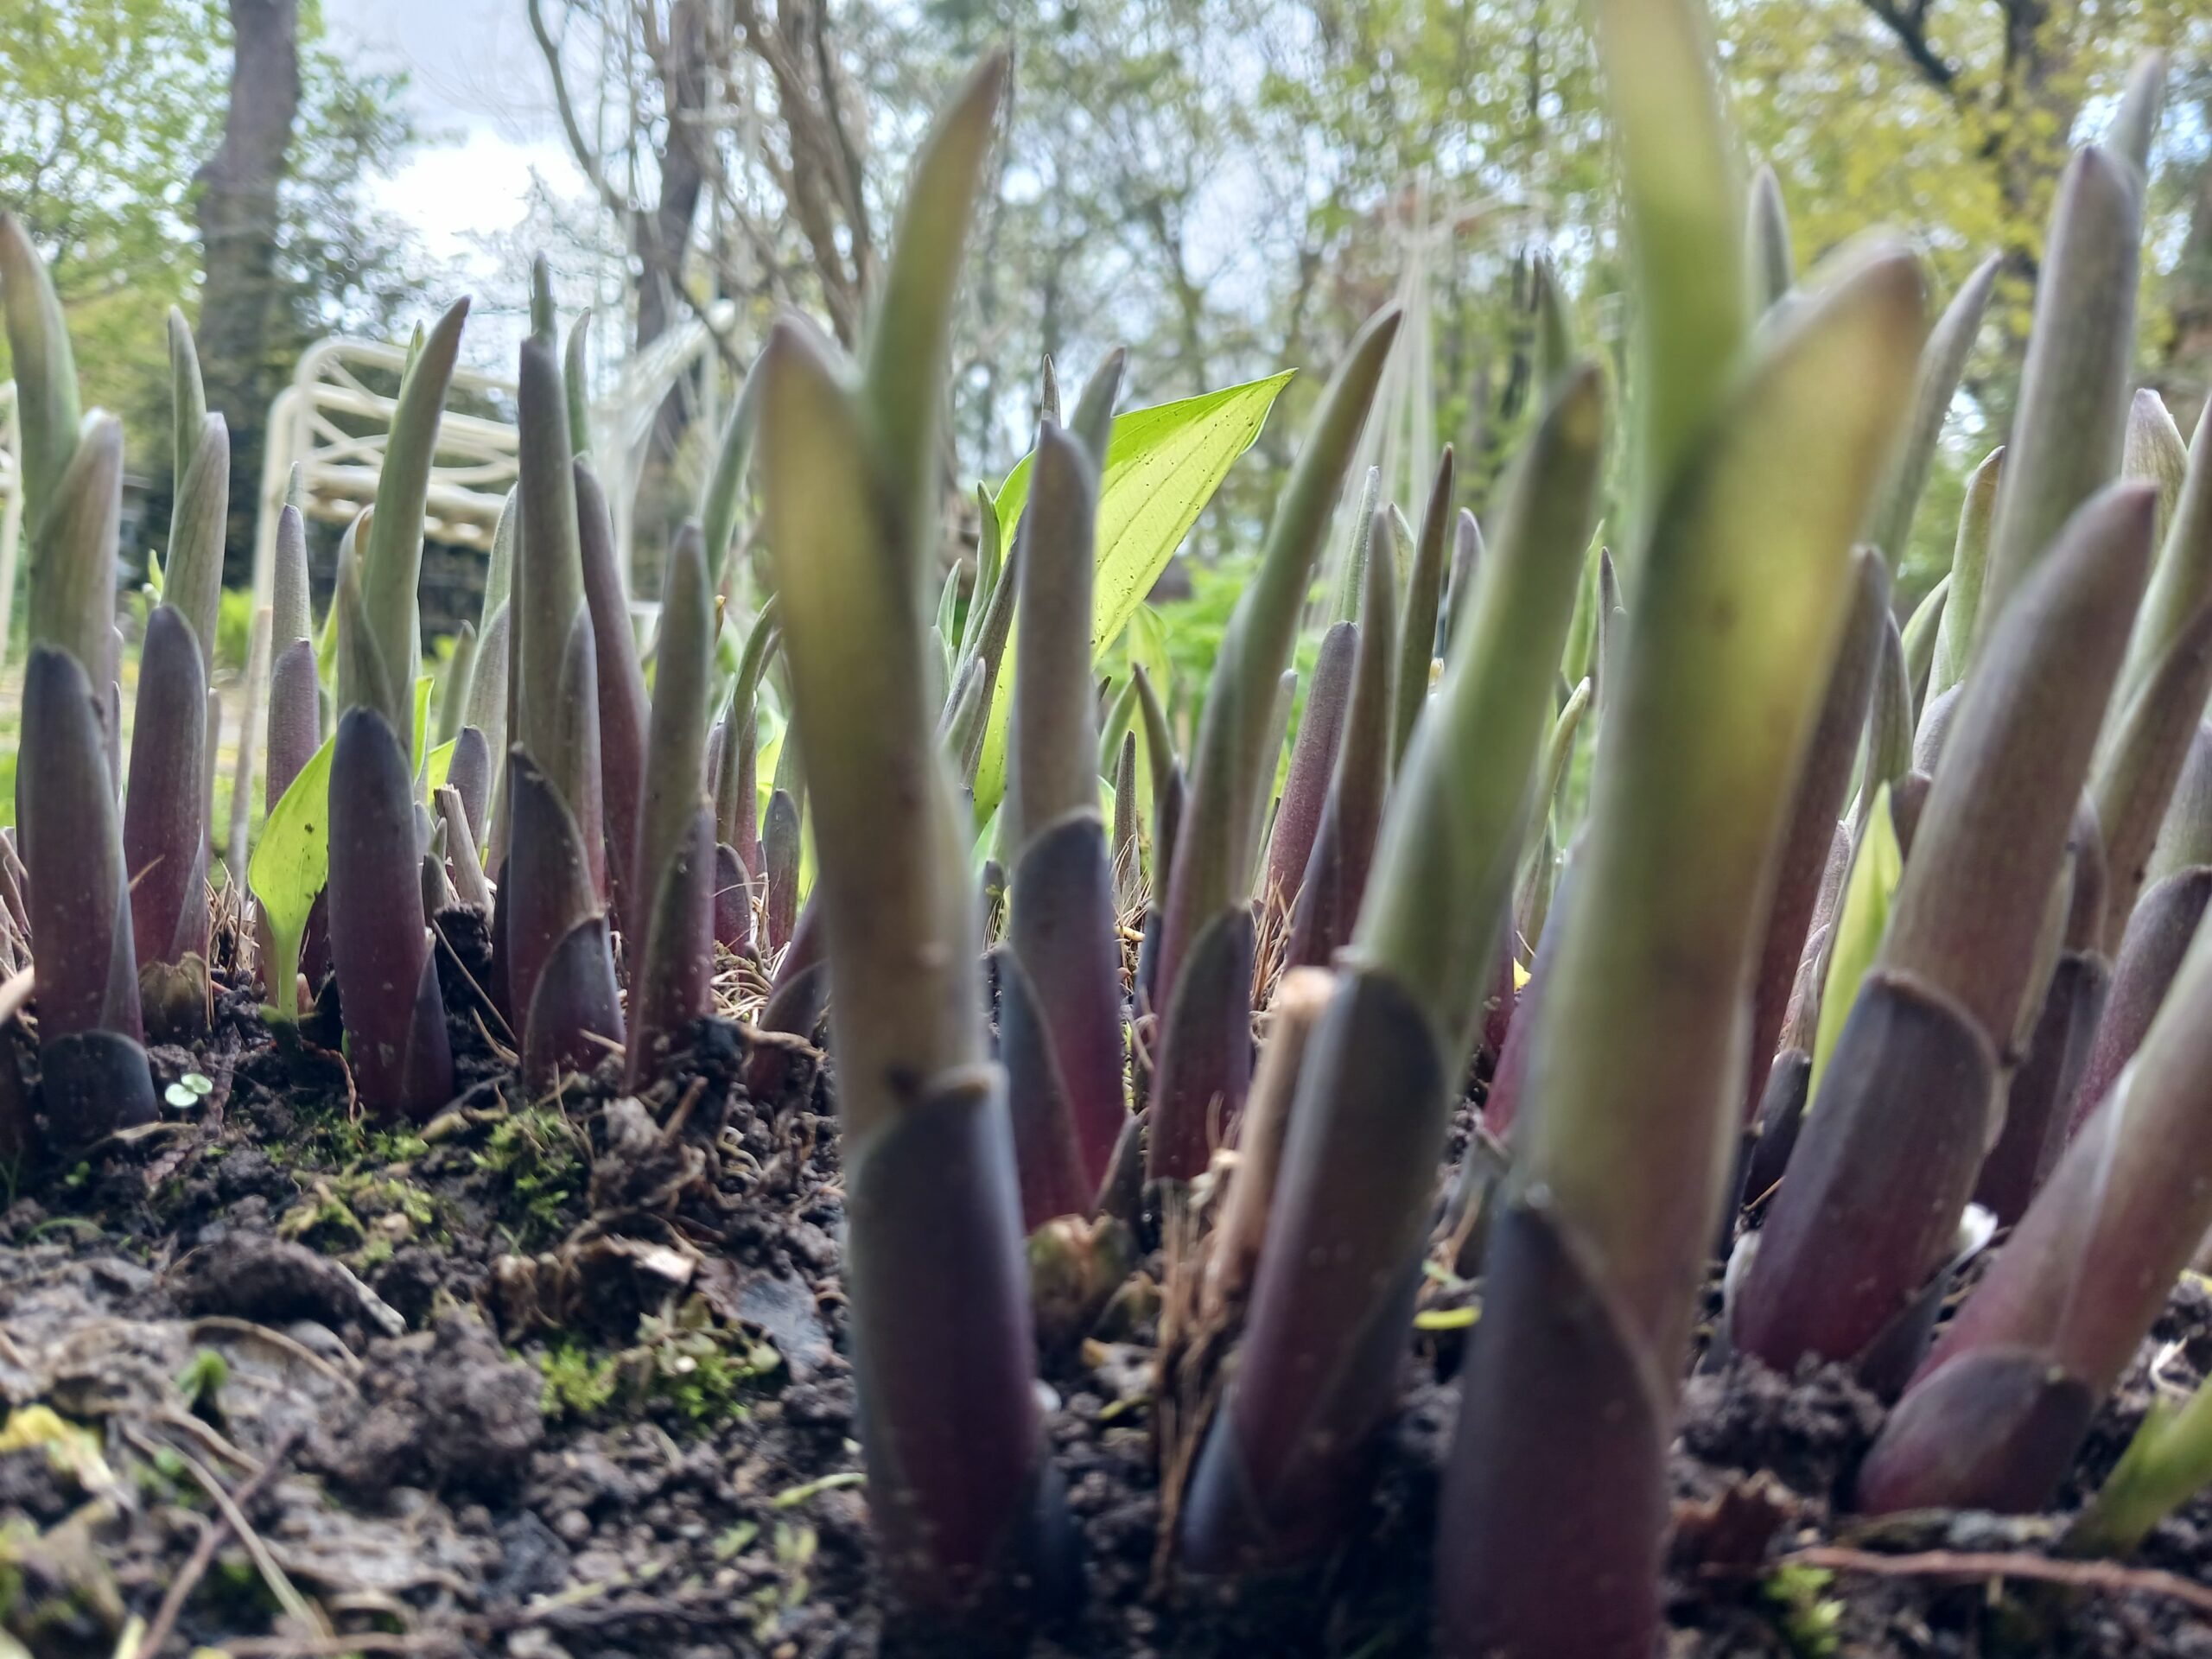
x: 662, y: 234
x: 237, y: 213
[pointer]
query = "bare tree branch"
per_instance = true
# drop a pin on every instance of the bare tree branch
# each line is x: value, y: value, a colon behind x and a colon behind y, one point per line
x: 1909, y: 24
x: 586, y: 158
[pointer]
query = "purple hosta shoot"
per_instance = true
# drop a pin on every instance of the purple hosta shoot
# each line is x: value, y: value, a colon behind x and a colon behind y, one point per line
x: 725, y: 499
x: 1888, y: 754
x: 962, y: 1499
x: 1417, y: 621
x: 1336, y: 873
x: 390, y: 549
x: 732, y: 904
x: 380, y: 949
x: 780, y: 859
x: 1906, y: 1108
x: 2145, y: 747
x: 1809, y: 837
x: 554, y: 940
x: 1556, y: 1496
x: 1060, y: 985
x: 94, y: 1074
x: 192, y: 564
x: 52, y: 425
x: 1996, y: 1414
x: 1264, y: 803
x: 1780, y: 1111
x: 1918, y: 639
x: 623, y: 711
x: 1121, y: 715
x: 1202, y: 975
x: 380, y: 946
x: 1942, y: 364
x: 438, y: 894
x: 1312, y: 762
x: 2186, y: 838
x: 1092, y: 421
x: 1953, y: 631
x: 2039, y: 1095
x: 470, y: 770
x: 966, y: 717
x: 800, y: 990
x: 1370, y: 539
x: 737, y: 808
x: 2158, y: 709
x: 2067, y: 437
x: 491, y: 685
x: 93, y: 1069
x: 295, y: 733
x: 672, y: 962
x: 1466, y: 555
x: 2159, y: 936
x: 1340, y: 1264
x: 169, y: 798
x: 165, y: 825
x: 738, y: 864
x: 2151, y: 451
x: 1167, y: 793
x: 2181, y: 583
x: 1166, y: 769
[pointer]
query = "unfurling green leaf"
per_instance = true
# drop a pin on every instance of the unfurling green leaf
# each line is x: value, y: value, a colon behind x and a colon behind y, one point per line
x: 1163, y: 465
x: 1876, y: 867
x: 290, y: 864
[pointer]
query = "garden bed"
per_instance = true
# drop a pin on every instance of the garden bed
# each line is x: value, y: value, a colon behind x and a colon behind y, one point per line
x: 566, y: 1376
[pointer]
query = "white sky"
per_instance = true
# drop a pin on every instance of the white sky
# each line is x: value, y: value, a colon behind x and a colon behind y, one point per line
x: 478, y: 90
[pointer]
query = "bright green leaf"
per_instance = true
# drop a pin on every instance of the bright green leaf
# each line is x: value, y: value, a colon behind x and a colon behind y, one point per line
x: 289, y: 868
x: 1875, y: 868
x: 436, y: 769
x: 1163, y: 465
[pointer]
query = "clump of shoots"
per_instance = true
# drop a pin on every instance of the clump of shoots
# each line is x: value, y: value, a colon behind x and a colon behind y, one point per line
x: 1338, y: 1269
x: 94, y: 1074
x: 1059, y: 983
x: 555, y: 943
x: 672, y: 966
x: 1203, y: 976
x: 960, y: 1493
x: 1756, y: 465
x: 380, y: 946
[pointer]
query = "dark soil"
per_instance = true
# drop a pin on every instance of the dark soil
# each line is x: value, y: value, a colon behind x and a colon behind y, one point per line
x: 566, y: 1376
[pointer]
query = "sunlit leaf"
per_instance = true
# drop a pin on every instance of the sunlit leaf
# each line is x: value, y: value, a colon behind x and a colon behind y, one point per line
x: 290, y: 864
x: 1163, y: 465
x: 437, y: 766
x: 1875, y: 869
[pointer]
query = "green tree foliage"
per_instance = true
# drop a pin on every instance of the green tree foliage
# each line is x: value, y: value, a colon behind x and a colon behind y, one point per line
x: 107, y: 110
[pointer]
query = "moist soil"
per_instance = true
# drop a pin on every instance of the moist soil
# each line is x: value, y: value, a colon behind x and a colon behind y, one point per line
x: 568, y: 1376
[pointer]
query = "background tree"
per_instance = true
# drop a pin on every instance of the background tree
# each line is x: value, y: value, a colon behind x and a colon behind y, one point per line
x: 116, y: 127
x: 235, y: 203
